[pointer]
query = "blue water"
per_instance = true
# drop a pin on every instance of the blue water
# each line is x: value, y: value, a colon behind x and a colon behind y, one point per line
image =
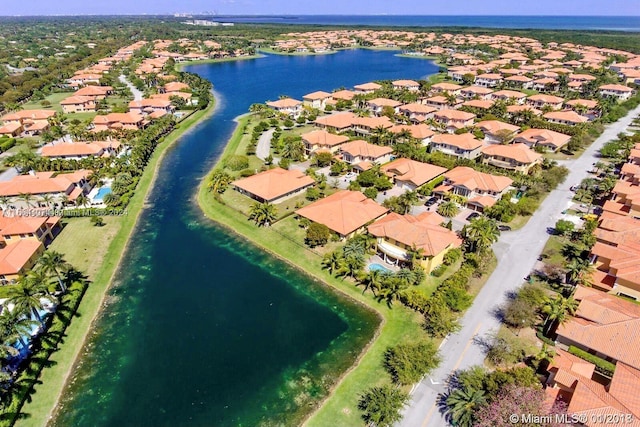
x: 611, y: 23
x: 378, y: 267
x: 101, y: 193
x: 201, y: 328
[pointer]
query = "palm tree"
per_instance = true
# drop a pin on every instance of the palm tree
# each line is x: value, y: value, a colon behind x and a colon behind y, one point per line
x: 352, y: 266
x: 391, y: 290
x: 381, y: 406
x: 557, y: 310
x: 578, y: 270
x: 415, y: 256
x: 4, y: 202
x: 332, y: 262
x: 545, y: 354
x: 26, y: 295
x: 47, y: 199
x: 482, y: 232
x: 263, y: 214
x: 462, y: 403
x: 448, y: 209
x: 26, y: 197
x: 52, y: 262
x: 219, y: 182
x: 15, y: 326
x: 354, y: 247
x: 372, y: 280
x: 82, y: 200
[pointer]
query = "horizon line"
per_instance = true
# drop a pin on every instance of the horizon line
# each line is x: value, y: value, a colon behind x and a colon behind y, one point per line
x: 171, y: 14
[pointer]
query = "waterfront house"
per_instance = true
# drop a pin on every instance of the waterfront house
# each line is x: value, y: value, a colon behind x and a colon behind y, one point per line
x: 118, y: 121
x: 316, y: 99
x: 17, y: 258
x: 338, y: 122
x: 481, y: 190
x: 80, y: 150
x: 61, y: 187
x: 40, y: 228
x: 464, y: 146
x: 397, y: 235
x: 517, y: 157
x: 367, y: 88
x: 378, y: 105
x: 409, y: 85
x: 345, y: 212
x: 321, y: 140
x: 548, y: 139
x: 288, y: 106
x: 149, y: 106
x: 410, y: 174
x: 274, y: 185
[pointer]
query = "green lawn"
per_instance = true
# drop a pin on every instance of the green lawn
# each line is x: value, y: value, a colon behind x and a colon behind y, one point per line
x: 54, y: 99
x: 552, y: 252
x: 53, y: 378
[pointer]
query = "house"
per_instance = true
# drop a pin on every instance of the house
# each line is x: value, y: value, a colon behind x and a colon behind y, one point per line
x: 488, y: 80
x: 321, y: 140
x: 514, y: 110
x: 517, y: 157
x: 367, y: 125
x: 33, y: 122
x: 360, y: 151
x: 338, y: 122
x: 40, y: 228
x: 398, y: 235
x: 509, y: 96
x: 17, y: 258
x: 620, y: 92
x: 316, y: 99
x: 83, y: 79
x: 274, y: 185
x: 80, y: 150
x: 410, y: 174
x: 479, y: 104
x: 366, y: 88
x: 149, y: 106
x: 629, y: 195
x: 378, y: 105
x: 409, y: 85
x: 464, y: 146
x: 440, y: 102
x: 345, y: 212
x: 11, y: 129
x: 548, y: 139
x: 572, y: 381
x: 343, y: 95
x: 497, y: 132
x: 174, y: 87
x: 78, y: 104
x: 604, y: 325
x: 454, y: 119
x: 444, y: 87
x: 417, y: 112
x: 62, y: 187
x: 476, y: 92
x: 420, y: 132
x: 519, y: 81
x: 546, y: 84
x: 289, y: 106
x: 481, y: 189
x: 568, y: 117
x: 94, y: 92
x: 118, y: 121
x: 541, y: 101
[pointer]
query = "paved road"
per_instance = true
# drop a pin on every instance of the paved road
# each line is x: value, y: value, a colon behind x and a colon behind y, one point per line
x: 517, y: 252
x: 137, y: 95
x: 264, y: 144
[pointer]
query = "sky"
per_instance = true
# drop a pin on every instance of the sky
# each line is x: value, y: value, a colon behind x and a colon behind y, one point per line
x: 324, y: 7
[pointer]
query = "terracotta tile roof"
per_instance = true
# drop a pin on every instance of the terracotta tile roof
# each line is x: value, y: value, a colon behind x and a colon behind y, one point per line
x: 508, y: 94
x: 28, y: 114
x: 417, y: 108
x: 384, y: 102
x: 493, y: 126
x: 465, y: 141
x: 284, y: 103
x: 78, y: 148
x: 41, y: 183
x: 479, y: 103
x: 518, y: 152
x: 153, y: 103
x: 319, y: 95
x: 547, y: 99
x: 93, y: 91
x: 419, y: 231
x: 447, y: 115
x: 343, y: 212
x: 542, y: 136
x: 477, y: 181
x: 568, y: 116
x: 76, y: 100
x: 419, y: 131
x: 447, y: 87
x: 324, y: 138
x: 367, y: 86
x: 615, y: 87
x: 175, y: 87
x: 10, y: 128
x: 415, y: 172
x: 484, y: 201
x: 512, y: 109
x: 10, y: 226
x: 405, y: 83
x: 338, y: 120
x: 345, y: 95
x: 360, y: 148
x: 274, y: 183
x: 587, y: 103
x: 14, y: 256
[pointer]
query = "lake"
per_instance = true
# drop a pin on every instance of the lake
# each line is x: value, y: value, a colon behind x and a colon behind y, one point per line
x: 201, y: 328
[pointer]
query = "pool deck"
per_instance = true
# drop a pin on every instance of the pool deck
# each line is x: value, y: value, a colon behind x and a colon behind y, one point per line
x: 376, y: 259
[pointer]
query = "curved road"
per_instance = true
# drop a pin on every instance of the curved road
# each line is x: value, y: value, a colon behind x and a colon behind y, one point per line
x: 517, y: 252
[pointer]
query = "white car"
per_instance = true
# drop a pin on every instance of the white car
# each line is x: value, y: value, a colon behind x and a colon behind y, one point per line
x: 350, y: 175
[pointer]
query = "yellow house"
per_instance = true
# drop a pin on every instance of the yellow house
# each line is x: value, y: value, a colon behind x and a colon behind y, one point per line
x: 17, y: 258
x: 397, y: 235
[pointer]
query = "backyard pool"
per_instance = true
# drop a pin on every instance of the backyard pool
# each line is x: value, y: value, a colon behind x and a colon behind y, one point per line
x: 103, y: 191
x: 378, y: 267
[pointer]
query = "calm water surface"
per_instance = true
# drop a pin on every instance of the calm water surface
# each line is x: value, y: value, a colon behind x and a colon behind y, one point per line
x: 201, y: 328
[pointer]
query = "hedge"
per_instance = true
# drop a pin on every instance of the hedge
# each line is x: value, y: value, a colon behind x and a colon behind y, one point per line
x: 602, y: 366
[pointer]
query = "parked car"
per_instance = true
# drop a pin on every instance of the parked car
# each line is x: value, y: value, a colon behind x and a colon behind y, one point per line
x: 504, y: 228
x: 432, y: 201
x: 350, y: 175
x: 473, y: 215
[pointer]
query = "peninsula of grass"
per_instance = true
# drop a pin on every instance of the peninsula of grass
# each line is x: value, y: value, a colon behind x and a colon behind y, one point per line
x: 397, y: 324
x: 182, y: 65
x: 279, y: 52
x: 75, y: 245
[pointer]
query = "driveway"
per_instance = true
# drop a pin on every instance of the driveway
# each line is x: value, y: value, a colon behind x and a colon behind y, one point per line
x: 137, y: 95
x: 517, y: 253
x: 264, y: 144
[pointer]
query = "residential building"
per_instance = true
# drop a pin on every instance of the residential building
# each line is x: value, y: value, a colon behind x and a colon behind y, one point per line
x: 62, y: 187
x: 420, y: 132
x: 509, y: 96
x: 17, y: 258
x: 289, y: 106
x: 541, y: 101
x: 620, y: 92
x: 398, y: 235
x: 417, y: 112
x: 345, y: 212
x: 78, y: 104
x: 444, y: 87
x: 359, y: 151
x: 377, y: 105
x: 119, y: 121
x: 476, y: 92
x: 80, y: 150
x: 465, y: 145
x: 149, y: 106
x: 488, y: 80
x: 517, y: 157
x: 481, y: 190
x: 94, y: 92
x: 39, y: 228
x: 409, y: 85
x: 31, y: 122
x: 338, y: 122
x: 321, y: 140
x: 367, y: 88
x: 316, y: 99
x: 548, y: 139
x: 497, y: 132
x: 274, y: 185
x: 569, y: 118
x: 410, y: 174
x: 454, y: 119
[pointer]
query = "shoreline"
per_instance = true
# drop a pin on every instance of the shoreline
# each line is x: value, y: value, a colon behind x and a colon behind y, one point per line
x: 179, y: 66
x: 103, y: 280
x: 238, y: 226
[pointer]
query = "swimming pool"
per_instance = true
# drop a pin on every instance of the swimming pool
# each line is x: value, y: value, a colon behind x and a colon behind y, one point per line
x: 101, y: 193
x: 378, y: 267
